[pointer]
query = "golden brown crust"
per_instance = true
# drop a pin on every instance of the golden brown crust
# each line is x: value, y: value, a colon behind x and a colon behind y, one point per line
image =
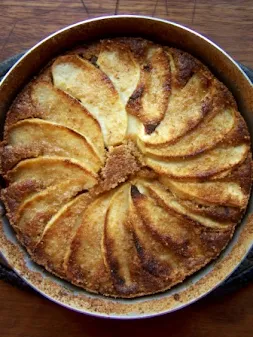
x: 18, y: 192
x: 127, y: 165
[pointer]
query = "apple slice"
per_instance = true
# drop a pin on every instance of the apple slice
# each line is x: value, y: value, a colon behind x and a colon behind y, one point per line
x: 117, y: 62
x: 203, y: 137
x: 185, y: 110
x: 156, y: 258
x: 118, y: 243
x: 167, y: 200
x: 225, y: 193
x: 85, y: 265
x: 94, y: 89
x: 207, y: 241
x: 34, y: 214
x: 205, y: 165
x: 54, y: 245
x: 50, y: 171
x: 56, y: 106
x: 166, y: 226
x: 35, y: 137
x: 149, y: 101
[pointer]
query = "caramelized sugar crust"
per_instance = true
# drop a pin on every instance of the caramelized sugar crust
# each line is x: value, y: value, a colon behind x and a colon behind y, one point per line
x: 127, y: 167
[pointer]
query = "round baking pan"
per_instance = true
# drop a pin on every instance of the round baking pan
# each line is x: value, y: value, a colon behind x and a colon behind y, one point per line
x: 207, y: 278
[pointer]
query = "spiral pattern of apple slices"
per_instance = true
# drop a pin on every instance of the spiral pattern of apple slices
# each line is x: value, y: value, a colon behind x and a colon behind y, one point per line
x: 127, y: 167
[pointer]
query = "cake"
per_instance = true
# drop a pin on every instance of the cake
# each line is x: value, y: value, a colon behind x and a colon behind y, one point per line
x: 127, y: 167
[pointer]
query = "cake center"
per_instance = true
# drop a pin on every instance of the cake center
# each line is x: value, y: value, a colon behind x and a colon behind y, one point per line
x: 122, y: 161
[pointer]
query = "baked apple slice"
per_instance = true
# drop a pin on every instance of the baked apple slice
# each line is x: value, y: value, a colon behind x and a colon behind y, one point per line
x: 149, y: 101
x: 34, y: 214
x: 118, y: 243
x: 85, y: 264
x: 203, y: 137
x: 117, y: 62
x: 50, y: 171
x: 208, y: 164
x: 226, y: 193
x: 56, y: 106
x: 167, y: 200
x: 35, y: 137
x: 82, y: 80
x: 186, y: 108
x: 54, y: 245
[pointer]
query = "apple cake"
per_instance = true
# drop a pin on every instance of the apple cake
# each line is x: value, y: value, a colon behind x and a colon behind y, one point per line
x: 127, y: 167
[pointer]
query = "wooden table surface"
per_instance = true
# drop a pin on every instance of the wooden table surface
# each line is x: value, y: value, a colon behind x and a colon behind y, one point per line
x: 229, y: 23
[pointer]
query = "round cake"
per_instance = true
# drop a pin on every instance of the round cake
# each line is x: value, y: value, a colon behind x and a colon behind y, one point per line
x: 127, y: 167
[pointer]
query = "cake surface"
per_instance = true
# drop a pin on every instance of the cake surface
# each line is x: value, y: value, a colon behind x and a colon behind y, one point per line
x: 127, y: 167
